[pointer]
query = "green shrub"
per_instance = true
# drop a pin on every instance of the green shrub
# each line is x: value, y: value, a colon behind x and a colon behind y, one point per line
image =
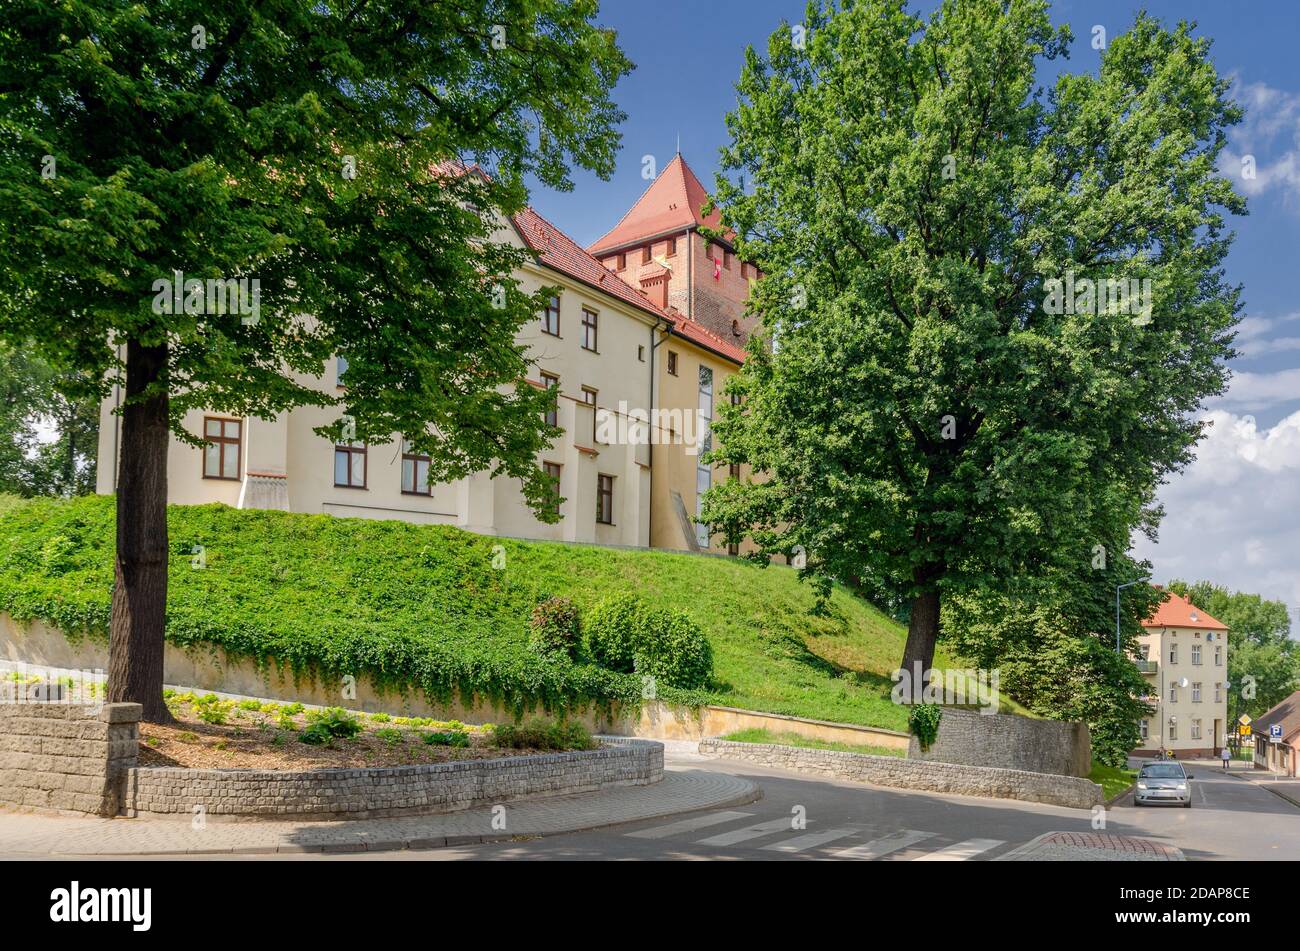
x: 924, y: 723
x: 252, y: 705
x: 380, y: 717
x: 554, y: 628
x: 214, y: 713
x: 447, y: 738
x: 292, y: 709
x: 543, y: 735
x: 390, y: 735
x: 625, y: 633
x: 325, y: 725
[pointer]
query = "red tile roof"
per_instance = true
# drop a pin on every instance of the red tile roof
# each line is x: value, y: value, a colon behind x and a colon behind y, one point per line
x: 1287, y: 713
x: 557, y: 250
x: 1177, y: 611
x: 671, y: 203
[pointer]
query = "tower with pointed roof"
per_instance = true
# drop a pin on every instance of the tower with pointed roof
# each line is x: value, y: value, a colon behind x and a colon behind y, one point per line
x: 657, y: 247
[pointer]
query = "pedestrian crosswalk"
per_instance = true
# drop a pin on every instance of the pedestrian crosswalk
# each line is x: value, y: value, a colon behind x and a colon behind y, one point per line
x: 749, y: 831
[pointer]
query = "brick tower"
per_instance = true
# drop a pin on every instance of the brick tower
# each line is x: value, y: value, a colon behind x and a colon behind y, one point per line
x: 657, y: 248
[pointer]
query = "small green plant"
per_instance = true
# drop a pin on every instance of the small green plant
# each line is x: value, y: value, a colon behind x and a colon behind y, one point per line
x: 292, y: 709
x: 251, y: 705
x: 285, y: 722
x: 168, y: 693
x: 924, y: 723
x: 380, y: 717
x: 279, y: 739
x: 214, y: 713
x: 328, y: 724
x: 185, y: 736
x: 390, y: 736
x: 543, y: 735
x: 151, y: 741
x: 554, y: 628
x: 447, y: 738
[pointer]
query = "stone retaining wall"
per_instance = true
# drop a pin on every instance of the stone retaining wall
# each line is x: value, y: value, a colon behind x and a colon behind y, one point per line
x: 1004, y: 741
x: 375, y: 793
x: 912, y: 774
x: 70, y: 757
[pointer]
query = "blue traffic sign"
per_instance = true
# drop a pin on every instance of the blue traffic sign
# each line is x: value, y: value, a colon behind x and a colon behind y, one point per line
x: 1275, y: 730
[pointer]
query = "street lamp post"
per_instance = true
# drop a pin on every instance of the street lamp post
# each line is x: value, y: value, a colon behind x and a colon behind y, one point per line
x: 1118, y: 589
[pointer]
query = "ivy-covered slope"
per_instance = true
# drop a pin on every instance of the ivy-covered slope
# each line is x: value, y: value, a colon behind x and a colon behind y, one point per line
x: 424, y: 607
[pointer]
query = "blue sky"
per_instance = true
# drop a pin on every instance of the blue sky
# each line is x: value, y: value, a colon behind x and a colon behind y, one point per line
x: 1234, y: 515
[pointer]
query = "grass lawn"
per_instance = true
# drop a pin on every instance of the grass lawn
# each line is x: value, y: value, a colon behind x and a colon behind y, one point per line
x: 424, y: 607
x: 1112, y: 779
x: 760, y: 735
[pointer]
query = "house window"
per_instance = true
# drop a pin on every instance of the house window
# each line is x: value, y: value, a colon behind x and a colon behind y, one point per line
x: 551, y: 317
x: 1196, y: 729
x: 1144, y: 651
x: 1196, y: 692
x: 1173, y: 729
x: 733, y: 470
x: 733, y: 549
x: 605, y: 499
x: 703, y: 471
x: 726, y: 260
x: 672, y: 363
x: 1173, y: 693
x: 589, y: 399
x: 621, y: 262
x: 1145, y: 727
x: 1218, y: 656
x: 640, y: 353
x: 645, y: 254
x: 1173, y: 653
x: 350, y: 465
x: 589, y: 318
x: 415, y: 471
x: 1196, y: 655
x: 553, y: 470
x: 221, y: 454
x: 1218, y: 693
x: 672, y: 248
x: 552, y: 383
x: 340, y: 368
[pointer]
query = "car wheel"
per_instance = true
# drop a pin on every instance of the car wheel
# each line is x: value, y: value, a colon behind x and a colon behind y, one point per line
x: 1187, y: 805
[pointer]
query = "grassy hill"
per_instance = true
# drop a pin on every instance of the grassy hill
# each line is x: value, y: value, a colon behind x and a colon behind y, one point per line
x: 423, y: 606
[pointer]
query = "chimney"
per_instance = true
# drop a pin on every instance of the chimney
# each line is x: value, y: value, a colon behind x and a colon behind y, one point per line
x: 655, y: 287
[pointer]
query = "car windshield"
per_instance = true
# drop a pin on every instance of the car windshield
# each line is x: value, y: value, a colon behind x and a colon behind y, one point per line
x: 1162, y: 771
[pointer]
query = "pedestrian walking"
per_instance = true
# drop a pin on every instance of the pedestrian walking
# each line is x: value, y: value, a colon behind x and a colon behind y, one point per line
x: 1226, y: 757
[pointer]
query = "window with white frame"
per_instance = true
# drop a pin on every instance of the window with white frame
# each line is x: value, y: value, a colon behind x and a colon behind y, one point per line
x: 1173, y: 693
x: 1145, y: 728
x: 1196, y: 655
x: 703, y: 471
x: 1196, y: 729
x: 1173, y: 653
x: 1196, y: 692
x: 1173, y: 729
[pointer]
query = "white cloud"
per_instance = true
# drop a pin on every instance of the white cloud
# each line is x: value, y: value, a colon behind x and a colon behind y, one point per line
x: 1233, y: 517
x: 1258, y: 391
x: 1269, y: 137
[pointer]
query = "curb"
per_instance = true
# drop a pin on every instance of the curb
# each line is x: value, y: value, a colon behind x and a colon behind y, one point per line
x: 1175, y: 853
x: 418, y: 843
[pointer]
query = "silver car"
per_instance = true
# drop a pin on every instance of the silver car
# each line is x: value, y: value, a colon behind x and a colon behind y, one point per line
x: 1163, y: 783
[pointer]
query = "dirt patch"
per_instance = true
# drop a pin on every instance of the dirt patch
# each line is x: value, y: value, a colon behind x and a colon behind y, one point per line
x: 270, y: 737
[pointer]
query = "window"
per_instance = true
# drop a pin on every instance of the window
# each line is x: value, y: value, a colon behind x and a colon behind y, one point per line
x: 703, y: 471
x: 672, y: 362
x: 1173, y: 729
x: 672, y: 248
x: 553, y: 470
x: 589, y: 399
x: 589, y: 319
x: 415, y: 471
x: 552, y: 383
x: 1144, y: 651
x: 735, y: 328
x: 1196, y: 655
x: 1173, y: 693
x: 645, y: 254
x: 340, y: 368
x: 640, y: 353
x: 733, y: 470
x: 605, y: 499
x: 221, y: 454
x: 621, y: 262
x: 1218, y: 656
x: 1145, y: 727
x: 1173, y: 653
x: 1196, y: 692
x: 726, y: 260
x: 1196, y: 729
x: 551, y: 317
x: 1218, y: 693
x: 733, y: 549
x: 350, y: 465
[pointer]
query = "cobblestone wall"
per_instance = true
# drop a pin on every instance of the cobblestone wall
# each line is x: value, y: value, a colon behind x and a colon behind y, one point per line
x: 912, y: 774
x: 375, y: 793
x: 71, y: 757
x: 1001, y: 740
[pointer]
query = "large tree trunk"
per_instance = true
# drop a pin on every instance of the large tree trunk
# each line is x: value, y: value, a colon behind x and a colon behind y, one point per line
x: 135, y: 653
x: 922, y: 632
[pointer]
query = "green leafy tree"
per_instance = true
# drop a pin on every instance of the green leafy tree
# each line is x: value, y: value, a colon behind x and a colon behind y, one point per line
x: 316, y: 148
x: 31, y: 399
x: 928, y: 418
x: 1263, y: 660
x: 24, y: 391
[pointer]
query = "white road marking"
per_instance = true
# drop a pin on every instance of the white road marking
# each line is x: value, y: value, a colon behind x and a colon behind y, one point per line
x: 689, y: 825
x: 961, y: 851
x: 883, y: 846
x: 810, y: 841
x: 747, y: 833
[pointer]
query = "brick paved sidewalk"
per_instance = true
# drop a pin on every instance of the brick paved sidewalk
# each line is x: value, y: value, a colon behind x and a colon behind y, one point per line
x: 26, y: 833
x: 1092, y: 847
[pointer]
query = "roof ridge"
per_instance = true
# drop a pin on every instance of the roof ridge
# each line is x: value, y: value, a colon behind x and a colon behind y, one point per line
x: 632, y: 207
